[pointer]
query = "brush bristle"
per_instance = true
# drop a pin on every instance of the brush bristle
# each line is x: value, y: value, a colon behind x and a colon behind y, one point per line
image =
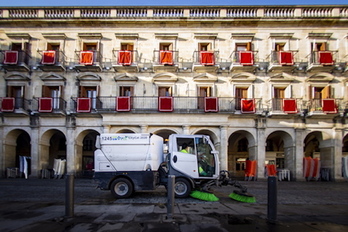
x: 204, y: 196
x: 242, y: 198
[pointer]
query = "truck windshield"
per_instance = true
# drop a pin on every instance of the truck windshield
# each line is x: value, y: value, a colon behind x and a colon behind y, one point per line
x: 206, y: 161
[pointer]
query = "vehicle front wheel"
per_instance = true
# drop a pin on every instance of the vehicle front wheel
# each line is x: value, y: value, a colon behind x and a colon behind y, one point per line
x: 182, y: 188
x: 121, y: 188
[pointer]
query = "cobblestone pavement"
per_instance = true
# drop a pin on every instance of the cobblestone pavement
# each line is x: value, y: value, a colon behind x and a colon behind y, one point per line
x: 39, y: 205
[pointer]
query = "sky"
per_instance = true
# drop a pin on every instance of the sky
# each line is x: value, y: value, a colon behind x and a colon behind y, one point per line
x: 166, y: 3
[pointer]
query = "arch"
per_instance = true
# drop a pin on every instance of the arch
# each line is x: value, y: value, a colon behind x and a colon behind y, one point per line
x: 84, y: 149
x: 17, y: 143
x: 320, y: 145
x: 280, y: 151
x: 214, y: 138
x: 241, y: 146
x: 52, y: 146
x: 164, y: 133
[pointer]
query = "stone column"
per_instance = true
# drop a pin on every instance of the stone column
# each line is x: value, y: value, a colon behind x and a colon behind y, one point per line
x: 36, y: 166
x: 143, y: 128
x: 337, y: 155
x: 297, y: 174
x: 70, y: 152
x: 223, y: 148
x: 186, y: 129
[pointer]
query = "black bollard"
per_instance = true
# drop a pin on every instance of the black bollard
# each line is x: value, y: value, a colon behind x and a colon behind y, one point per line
x: 171, y: 195
x: 272, y: 199
x: 69, y: 195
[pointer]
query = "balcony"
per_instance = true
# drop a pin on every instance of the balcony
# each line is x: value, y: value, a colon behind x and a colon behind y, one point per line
x: 323, y: 106
x: 17, y: 105
x: 243, y: 61
x: 15, y: 61
x: 282, y: 106
x: 45, y: 105
x: 165, y: 61
x: 281, y: 61
x: 52, y: 61
x: 154, y: 104
x: 125, y: 61
x: 205, y: 61
x: 88, y: 61
x: 321, y: 61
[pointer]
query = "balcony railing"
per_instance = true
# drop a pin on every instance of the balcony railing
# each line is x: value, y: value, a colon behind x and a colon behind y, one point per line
x: 208, y: 12
x: 322, y: 58
x: 329, y: 105
x: 10, y: 104
x: 163, y: 57
x: 243, y: 57
x: 282, y: 57
x: 206, y: 57
x: 48, y: 104
x: 14, y: 57
x: 151, y: 104
x: 125, y: 57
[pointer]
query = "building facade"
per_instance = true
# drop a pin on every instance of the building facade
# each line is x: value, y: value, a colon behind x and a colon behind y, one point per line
x: 266, y: 83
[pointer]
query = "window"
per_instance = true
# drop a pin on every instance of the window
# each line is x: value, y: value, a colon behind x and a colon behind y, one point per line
x: 164, y: 91
x: 90, y: 92
x: 126, y: 91
x: 53, y: 92
x: 202, y: 93
x: 17, y: 92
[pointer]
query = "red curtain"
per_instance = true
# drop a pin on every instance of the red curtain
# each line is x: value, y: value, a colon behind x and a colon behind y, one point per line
x: 165, y: 104
x: 125, y: 57
x: 211, y: 104
x: 83, y: 105
x: 290, y: 106
x: 329, y: 106
x: 7, y: 104
x: 271, y: 170
x: 325, y: 58
x: 45, y: 104
x: 248, y: 106
x: 166, y: 57
x: 246, y: 57
x: 49, y: 57
x: 286, y: 58
x: 207, y: 58
x: 123, y: 104
x: 250, y: 169
x: 11, y: 57
x: 86, y: 57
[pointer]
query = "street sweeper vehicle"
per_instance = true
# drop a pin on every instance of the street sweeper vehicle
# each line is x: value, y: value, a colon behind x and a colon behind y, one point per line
x: 125, y: 163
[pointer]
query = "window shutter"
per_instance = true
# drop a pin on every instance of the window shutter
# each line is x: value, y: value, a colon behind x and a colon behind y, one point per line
x: 326, y: 92
x: 288, y: 92
x: 251, y: 91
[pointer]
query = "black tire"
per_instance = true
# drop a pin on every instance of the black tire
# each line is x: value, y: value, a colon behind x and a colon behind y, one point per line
x: 121, y: 188
x: 182, y: 188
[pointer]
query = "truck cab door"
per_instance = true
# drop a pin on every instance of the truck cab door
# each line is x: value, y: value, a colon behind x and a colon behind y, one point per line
x: 183, y: 158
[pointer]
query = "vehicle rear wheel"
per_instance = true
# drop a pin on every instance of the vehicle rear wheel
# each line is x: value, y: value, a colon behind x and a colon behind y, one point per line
x: 182, y: 188
x: 121, y: 188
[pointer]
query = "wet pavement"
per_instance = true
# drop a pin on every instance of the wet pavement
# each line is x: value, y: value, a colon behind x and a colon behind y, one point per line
x: 39, y: 205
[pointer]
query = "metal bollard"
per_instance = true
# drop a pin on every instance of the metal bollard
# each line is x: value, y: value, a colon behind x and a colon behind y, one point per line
x: 272, y: 199
x: 69, y: 196
x: 171, y: 195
